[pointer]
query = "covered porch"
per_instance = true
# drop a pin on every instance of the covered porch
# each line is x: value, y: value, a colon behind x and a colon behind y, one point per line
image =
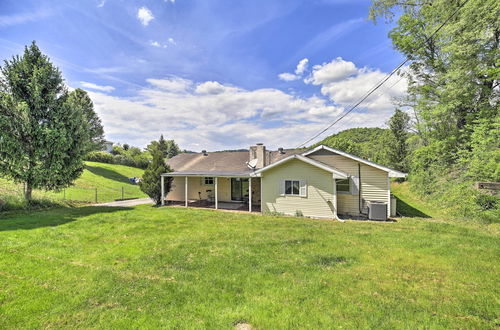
x: 228, y: 191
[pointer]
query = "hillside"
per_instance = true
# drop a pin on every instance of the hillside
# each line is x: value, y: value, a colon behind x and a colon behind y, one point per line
x: 108, y: 179
x: 368, y: 143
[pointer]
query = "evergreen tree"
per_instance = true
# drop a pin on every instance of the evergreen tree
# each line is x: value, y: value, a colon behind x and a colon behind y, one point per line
x: 44, y: 130
x: 168, y: 148
x: 82, y: 100
x: 151, y: 183
x: 398, y: 153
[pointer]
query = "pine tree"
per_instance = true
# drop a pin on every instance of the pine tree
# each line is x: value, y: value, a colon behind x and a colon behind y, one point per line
x: 398, y: 153
x: 45, y: 131
x: 151, y: 183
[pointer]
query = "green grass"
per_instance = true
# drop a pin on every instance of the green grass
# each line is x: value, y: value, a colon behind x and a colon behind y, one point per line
x: 109, y: 179
x: 409, y: 205
x: 148, y: 267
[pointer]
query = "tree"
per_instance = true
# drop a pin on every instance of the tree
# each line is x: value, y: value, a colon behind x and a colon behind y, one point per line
x: 83, y: 101
x: 453, y: 75
x: 45, y: 131
x: 126, y: 146
x: 398, y: 153
x: 151, y: 183
x: 168, y: 148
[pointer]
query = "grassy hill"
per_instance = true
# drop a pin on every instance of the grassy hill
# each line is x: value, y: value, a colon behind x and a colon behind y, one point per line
x: 108, y: 179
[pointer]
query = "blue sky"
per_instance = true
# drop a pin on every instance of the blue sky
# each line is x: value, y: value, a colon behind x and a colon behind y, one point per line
x: 213, y: 74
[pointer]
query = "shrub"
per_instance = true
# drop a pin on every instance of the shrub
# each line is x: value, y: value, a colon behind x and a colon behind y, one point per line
x: 151, y: 183
x: 99, y: 156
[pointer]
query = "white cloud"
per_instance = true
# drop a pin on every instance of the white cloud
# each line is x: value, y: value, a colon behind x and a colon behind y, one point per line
x: 335, y: 70
x: 344, y: 84
x: 10, y: 20
x: 210, y: 87
x: 155, y: 43
x: 173, y: 84
x: 211, y: 115
x: 302, y: 66
x: 145, y: 15
x: 172, y: 41
x: 101, y: 3
x: 285, y: 76
x: 96, y: 87
x: 299, y: 71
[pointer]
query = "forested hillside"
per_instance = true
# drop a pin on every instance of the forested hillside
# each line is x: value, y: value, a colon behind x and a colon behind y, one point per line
x: 453, y: 99
x: 368, y: 143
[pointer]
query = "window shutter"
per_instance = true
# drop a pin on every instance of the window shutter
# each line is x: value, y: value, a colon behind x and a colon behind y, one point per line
x: 282, y: 188
x: 303, y: 188
x: 354, y: 181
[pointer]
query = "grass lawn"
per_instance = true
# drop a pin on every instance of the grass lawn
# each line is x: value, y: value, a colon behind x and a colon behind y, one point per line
x: 109, y: 179
x: 148, y: 267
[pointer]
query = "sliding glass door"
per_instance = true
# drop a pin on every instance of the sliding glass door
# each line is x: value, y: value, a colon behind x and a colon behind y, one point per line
x: 239, y: 189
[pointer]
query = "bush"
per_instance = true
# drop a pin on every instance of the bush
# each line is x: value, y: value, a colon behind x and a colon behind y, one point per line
x: 100, y: 157
x: 140, y: 160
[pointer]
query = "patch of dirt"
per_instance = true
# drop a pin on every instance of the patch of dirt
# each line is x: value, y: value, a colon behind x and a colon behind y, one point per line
x: 243, y: 326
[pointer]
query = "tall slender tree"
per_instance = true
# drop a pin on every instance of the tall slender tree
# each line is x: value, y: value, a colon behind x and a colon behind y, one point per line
x: 398, y: 153
x: 44, y: 130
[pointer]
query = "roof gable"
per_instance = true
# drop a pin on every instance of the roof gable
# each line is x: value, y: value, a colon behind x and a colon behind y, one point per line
x: 322, y: 148
x: 335, y: 172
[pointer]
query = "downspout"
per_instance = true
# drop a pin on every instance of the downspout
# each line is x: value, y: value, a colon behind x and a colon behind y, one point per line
x: 359, y: 189
x: 359, y: 192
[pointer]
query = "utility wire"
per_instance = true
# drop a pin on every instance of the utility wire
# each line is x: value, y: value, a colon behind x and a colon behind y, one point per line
x: 378, y: 85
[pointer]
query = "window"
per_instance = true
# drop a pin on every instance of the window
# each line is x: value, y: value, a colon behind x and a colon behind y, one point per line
x: 343, y: 186
x: 292, y: 187
x: 209, y: 181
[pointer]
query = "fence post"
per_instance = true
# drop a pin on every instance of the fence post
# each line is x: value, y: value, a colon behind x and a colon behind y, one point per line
x: 96, y: 195
x: 122, y: 192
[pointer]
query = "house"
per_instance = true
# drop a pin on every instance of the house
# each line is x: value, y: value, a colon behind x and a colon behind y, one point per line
x: 107, y: 146
x: 321, y: 182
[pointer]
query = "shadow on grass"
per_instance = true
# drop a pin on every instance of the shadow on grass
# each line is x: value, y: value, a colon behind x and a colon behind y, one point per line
x: 50, y: 218
x: 108, y: 174
x: 407, y: 210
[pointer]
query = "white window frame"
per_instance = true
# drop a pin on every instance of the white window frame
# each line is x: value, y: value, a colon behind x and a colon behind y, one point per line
x: 207, y: 179
x: 342, y: 191
x: 291, y: 183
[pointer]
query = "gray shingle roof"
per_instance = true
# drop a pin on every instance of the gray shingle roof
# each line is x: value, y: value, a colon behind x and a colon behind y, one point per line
x: 230, y: 163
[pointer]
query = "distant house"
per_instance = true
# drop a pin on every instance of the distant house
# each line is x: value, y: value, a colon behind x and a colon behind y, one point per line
x: 322, y: 182
x: 107, y: 146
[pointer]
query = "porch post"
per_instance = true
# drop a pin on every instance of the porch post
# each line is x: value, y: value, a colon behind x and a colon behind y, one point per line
x: 162, y: 190
x: 186, y: 191
x: 249, y: 194
x: 335, y: 199
x: 216, y: 195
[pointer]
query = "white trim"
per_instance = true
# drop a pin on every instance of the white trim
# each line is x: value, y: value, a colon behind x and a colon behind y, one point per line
x: 336, y: 173
x: 186, y: 191
x: 162, y: 180
x: 388, y: 196
x: 216, y: 194
x: 335, y: 216
x: 249, y: 194
x: 392, y: 173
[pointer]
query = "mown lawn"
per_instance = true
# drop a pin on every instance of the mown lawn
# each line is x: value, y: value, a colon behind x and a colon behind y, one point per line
x: 148, y: 267
x: 108, y: 179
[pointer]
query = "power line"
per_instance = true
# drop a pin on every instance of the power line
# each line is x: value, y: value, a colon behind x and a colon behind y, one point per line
x: 380, y: 83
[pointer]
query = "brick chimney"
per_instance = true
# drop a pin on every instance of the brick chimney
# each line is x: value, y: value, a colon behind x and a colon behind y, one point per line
x: 258, y: 152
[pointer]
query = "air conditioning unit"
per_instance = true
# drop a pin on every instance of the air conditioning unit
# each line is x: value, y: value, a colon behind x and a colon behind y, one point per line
x: 377, y: 210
